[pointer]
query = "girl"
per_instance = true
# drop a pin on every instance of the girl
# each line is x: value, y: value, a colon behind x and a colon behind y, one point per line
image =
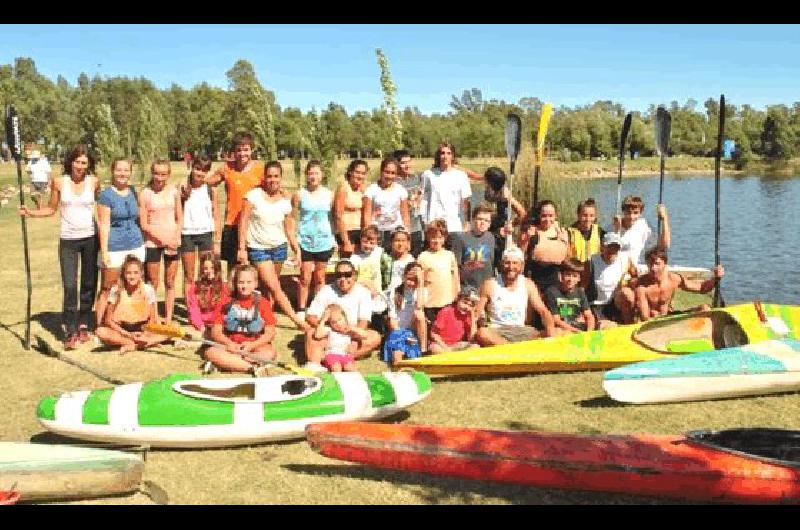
x: 75, y: 193
x: 314, y: 203
x: 244, y: 327
x: 340, y: 346
x: 131, y: 305
x: 545, y: 245
x: 386, y: 203
x: 118, y: 226
x: 585, y: 234
x: 440, y: 269
x: 206, y: 296
x: 347, y: 207
x: 161, y: 218
x: 201, y: 230
x: 266, y: 228
x: 409, y: 336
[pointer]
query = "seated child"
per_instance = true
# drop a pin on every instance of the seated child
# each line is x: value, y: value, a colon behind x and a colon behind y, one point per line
x: 585, y: 234
x: 454, y: 328
x: 409, y: 330
x: 567, y: 302
x: 340, y: 346
x: 205, y: 296
x: 244, y: 328
x: 131, y: 305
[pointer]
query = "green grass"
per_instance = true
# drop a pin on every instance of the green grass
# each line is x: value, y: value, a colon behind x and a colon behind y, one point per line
x: 290, y: 473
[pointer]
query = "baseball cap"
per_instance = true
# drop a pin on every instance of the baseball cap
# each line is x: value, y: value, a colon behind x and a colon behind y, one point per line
x: 612, y: 238
x: 514, y: 253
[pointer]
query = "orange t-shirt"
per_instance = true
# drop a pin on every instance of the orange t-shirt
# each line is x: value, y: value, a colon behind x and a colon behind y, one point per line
x: 237, y: 184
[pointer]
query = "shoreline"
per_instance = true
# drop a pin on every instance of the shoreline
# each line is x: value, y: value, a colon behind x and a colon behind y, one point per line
x: 603, y: 174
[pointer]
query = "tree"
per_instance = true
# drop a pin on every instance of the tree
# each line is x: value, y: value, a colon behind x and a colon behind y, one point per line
x: 106, y: 135
x: 150, y: 135
x: 389, y: 91
x: 251, y: 107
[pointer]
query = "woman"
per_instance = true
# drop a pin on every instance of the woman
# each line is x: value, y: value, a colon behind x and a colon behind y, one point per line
x: 386, y: 204
x: 202, y: 230
x: 348, y: 205
x: 546, y: 246
x: 118, y: 227
x: 75, y: 193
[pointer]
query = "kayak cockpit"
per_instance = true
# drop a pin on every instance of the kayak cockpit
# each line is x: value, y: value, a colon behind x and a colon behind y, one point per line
x: 260, y: 390
x: 779, y: 446
x: 692, y: 333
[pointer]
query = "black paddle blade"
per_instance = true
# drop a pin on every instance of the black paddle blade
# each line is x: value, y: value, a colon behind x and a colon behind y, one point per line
x: 513, y: 136
x: 12, y: 132
x: 663, y: 126
x: 623, y: 137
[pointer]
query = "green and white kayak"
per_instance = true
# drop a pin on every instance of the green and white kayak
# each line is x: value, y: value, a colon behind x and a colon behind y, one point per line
x: 189, y: 411
x: 42, y: 472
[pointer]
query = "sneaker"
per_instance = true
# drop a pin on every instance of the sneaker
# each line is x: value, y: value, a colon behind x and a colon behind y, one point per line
x: 71, y: 343
x: 315, y: 367
x: 83, y: 334
x: 208, y: 368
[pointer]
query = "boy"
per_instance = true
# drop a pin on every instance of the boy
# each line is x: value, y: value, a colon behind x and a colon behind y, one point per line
x: 416, y: 205
x: 367, y: 262
x: 634, y: 231
x: 455, y: 327
x: 440, y: 270
x: 567, y: 302
x: 585, y: 234
x: 603, y: 281
x: 474, y: 250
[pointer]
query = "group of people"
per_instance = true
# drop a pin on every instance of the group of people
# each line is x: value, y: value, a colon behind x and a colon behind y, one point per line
x: 419, y: 270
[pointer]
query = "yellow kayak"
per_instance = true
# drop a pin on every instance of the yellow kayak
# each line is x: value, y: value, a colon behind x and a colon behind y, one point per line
x: 731, y: 326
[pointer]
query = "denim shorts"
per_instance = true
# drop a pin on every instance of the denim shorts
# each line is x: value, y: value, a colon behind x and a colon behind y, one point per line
x: 277, y: 254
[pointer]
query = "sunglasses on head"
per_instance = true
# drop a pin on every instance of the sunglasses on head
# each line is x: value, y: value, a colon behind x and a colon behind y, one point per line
x: 344, y: 274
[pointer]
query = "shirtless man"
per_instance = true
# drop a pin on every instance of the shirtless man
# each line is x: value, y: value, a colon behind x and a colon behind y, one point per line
x: 654, y: 290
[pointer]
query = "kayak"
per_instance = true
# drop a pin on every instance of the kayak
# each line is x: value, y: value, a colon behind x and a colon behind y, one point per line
x: 767, y: 367
x: 741, y: 465
x: 40, y: 472
x: 735, y: 325
x: 190, y: 411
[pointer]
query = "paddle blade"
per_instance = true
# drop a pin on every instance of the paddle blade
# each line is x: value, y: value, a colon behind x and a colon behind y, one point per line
x: 662, y: 129
x: 12, y: 132
x: 513, y: 136
x: 623, y: 137
x: 544, y: 123
x: 167, y: 330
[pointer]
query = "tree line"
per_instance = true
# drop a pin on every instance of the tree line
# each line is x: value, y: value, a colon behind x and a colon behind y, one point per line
x: 131, y: 116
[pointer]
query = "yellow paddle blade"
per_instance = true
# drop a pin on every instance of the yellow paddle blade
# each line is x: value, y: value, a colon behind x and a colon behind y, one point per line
x: 168, y: 330
x: 544, y: 123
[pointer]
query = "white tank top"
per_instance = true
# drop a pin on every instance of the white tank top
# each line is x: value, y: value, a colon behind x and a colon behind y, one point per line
x: 77, y: 211
x: 508, y: 306
x: 198, y: 215
x: 607, y: 277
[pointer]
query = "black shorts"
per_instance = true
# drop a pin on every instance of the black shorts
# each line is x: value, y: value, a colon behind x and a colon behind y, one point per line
x: 133, y: 327
x: 353, y: 235
x: 607, y: 312
x: 153, y: 255
x: 324, y: 256
x: 230, y: 244
x: 201, y: 242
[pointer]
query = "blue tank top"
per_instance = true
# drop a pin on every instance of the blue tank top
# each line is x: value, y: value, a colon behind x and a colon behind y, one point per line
x: 314, y: 231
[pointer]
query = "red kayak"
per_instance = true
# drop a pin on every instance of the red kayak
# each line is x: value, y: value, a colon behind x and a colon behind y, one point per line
x: 9, y: 497
x: 737, y: 465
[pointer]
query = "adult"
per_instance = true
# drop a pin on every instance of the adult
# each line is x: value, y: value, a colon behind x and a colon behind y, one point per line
x: 75, y: 193
x: 356, y: 302
x: 636, y: 233
x: 545, y: 245
x: 39, y: 169
x: 240, y: 175
x: 118, y: 228
x: 386, y: 204
x: 499, y: 195
x: 447, y: 191
x: 348, y: 204
x: 266, y: 230
x: 161, y: 219
x: 506, y: 299
x: 416, y: 205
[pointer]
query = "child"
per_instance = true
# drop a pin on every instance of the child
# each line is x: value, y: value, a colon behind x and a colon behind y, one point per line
x: 475, y: 249
x: 455, y: 325
x: 206, y: 296
x: 202, y: 230
x: 567, y: 302
x: 386, y: 203
x: 131, y: 305
x: 408, y: 337
x: 440, y: 270
x: 585, y: 234
x: 245, y: 326
x: 603, y: 281
x: 393, y: 268
x: 367, y: 262
x: 498, y: 194
x: 634, y: 230
x: 340, y: 346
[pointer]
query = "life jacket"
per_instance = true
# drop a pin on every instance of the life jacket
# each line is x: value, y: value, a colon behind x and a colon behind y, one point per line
x: 580, y: 248
x: 245, y: 321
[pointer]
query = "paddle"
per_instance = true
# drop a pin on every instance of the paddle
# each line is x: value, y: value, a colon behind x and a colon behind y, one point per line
x: 544, y: 122
x: 171, y: 330
x: 43, y: 347
x: 626, y: 127
x: 663, y: 125
x: 717, y: 300
x: 513, y: 136
x: 14, y: 145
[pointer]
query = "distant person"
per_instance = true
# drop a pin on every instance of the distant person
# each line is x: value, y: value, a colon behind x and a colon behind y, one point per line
x: 417, y: 206
x: 636, y: 233
x: 567, y: 301
x: 447, y: 192
x: 498, y: 194
x: 39, y: 169
x: 475, y: 248
x: 603, y: 282
x: 455, y: 325
x: 546, y: 245
x: 187, y: 159
x: 348, y: 206
x: 585, y: 234
x: 386, y: 203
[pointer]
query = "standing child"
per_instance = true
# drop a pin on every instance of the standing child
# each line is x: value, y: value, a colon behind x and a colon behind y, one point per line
x: 244, y: 327
x: 393, y: 268
x: 161, y: 218
x: 475, y: 249
x: 585, y: 234
x: 409, y: 331
x: 567, y: 302
x: 131, y: 305
x: 498, y: 194
x: 205, y: 296
x: 341, y: 345
x: 314, y: 203
x: 455, y: 325
x: 440, y: 270
x: 367, y: 262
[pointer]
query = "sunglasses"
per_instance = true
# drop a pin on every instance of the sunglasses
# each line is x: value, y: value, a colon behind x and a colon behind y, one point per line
x: 344, y: 274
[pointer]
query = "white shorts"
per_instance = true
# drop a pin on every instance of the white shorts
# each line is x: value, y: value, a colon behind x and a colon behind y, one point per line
x: 117, y: 257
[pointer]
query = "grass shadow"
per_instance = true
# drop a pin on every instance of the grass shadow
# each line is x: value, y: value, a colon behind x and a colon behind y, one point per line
x: 7, y: 327
x: 51, y: 322
x: 599, y: 402
x: 465, y: 378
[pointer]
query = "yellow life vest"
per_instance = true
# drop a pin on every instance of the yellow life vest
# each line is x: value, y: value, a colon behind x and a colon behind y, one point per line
x: 579, y: 247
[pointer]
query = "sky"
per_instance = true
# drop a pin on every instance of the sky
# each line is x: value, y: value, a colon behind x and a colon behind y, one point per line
x: 311, y: 65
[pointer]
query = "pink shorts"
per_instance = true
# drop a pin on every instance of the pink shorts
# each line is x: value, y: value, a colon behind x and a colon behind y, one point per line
x: 341, y: 358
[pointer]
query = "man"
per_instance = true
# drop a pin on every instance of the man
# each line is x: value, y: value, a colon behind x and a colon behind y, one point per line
x: 355, y: 300
x: 654, y: 290
x: 413, y: 185
x: 506, y: 300
x: 446, y: 192
x: 39, y: 169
